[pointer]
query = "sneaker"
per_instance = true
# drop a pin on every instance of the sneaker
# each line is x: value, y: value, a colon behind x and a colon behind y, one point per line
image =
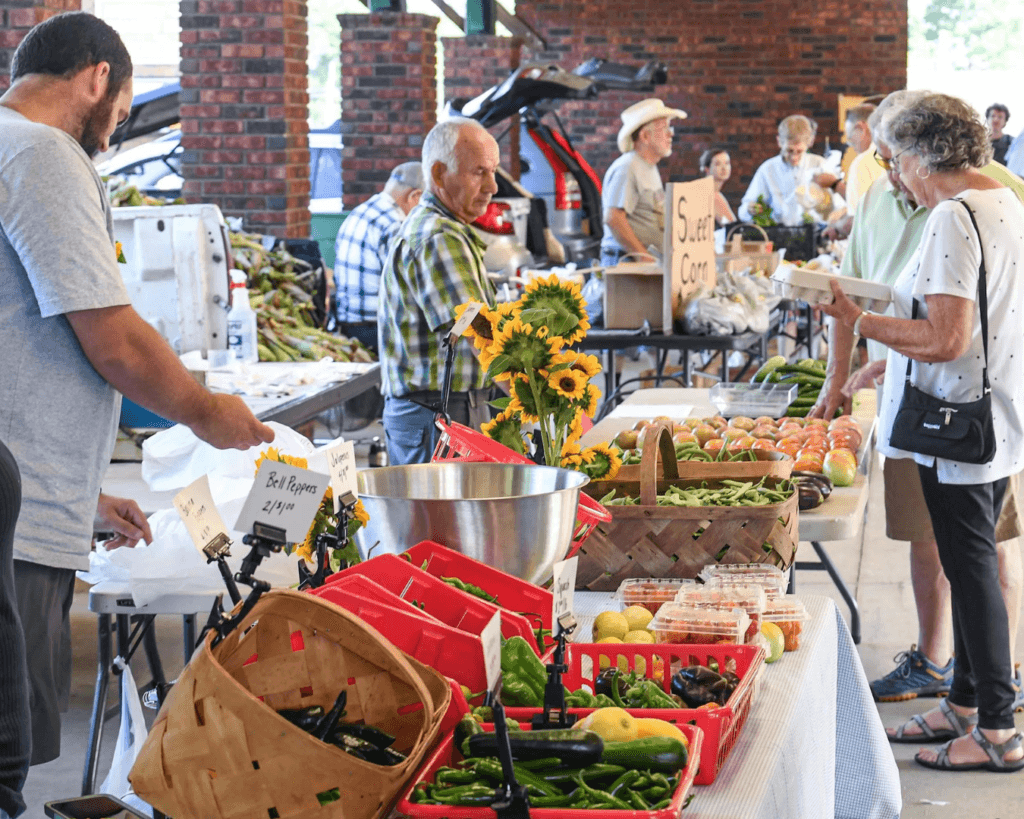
x: 914, y: 676
x: 1018, y: 689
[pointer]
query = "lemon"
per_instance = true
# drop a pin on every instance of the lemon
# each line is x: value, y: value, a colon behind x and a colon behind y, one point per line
x: 776, y: 641
x: 653, y: 727
x: 611, y: 724
x: 638, y: 617
x: 609, y: 624
x: 639, y: 636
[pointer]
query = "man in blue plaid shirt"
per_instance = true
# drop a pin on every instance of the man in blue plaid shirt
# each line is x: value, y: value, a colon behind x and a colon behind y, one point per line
x: 361, y: 249
x: 436, y: 263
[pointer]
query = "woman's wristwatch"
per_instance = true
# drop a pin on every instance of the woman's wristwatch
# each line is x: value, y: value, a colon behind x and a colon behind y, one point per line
x: 856, y: 324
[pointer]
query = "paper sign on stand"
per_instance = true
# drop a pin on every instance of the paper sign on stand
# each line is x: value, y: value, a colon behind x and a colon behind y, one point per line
x: 563, y: 585
x: 199, y: 513
x: 490, y: 638
x: 471, y: 312
x: 341, y: 461
x: 283, y: 496
x: 689, y: 242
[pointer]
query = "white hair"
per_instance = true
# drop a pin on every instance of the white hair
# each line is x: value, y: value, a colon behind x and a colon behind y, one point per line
x: 439, y: 146
x: 881, y: 118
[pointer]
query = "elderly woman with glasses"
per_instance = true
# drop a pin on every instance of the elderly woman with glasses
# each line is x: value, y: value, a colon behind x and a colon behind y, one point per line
x: 938, y: 145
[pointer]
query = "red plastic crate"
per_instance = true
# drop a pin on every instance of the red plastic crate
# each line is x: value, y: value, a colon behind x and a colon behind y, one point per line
x: 460, y: 443
x: 513, y: 594
x: 721, y: 725
x: 454, y: 653
x: 446, y: 754
x: 449, y: 605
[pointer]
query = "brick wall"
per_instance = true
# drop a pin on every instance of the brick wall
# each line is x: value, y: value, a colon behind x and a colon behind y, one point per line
x: 245, y: 137
x: 736, y: 67
x: 478, y: 62
x: 388, y: 85
x: 16, y: 18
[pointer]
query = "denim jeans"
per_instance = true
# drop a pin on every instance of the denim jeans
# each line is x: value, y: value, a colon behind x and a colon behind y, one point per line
x: 409, y: 431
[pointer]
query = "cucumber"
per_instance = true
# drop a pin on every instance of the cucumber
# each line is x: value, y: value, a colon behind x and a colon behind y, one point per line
x: 658, y: 754
x: 767, y: 367
x: 573, y: 747
x: 802, y: 369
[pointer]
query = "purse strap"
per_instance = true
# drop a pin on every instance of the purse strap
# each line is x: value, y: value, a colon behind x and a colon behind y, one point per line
x: 982, y: 304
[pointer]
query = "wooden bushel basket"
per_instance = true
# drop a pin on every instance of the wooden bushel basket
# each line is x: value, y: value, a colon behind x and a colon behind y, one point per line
x: 218, y: 750
x: 666, y: 541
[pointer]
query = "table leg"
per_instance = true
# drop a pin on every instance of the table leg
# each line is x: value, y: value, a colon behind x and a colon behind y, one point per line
x: 840, y: 584
x: 156, y: 667
x: 188, y: 628
x: 99, y: 703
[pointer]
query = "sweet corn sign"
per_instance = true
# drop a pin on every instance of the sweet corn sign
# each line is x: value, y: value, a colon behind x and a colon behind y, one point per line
x: 689, y: 242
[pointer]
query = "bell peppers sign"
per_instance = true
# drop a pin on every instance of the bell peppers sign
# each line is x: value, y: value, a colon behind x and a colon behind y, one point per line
x: 689, y: 242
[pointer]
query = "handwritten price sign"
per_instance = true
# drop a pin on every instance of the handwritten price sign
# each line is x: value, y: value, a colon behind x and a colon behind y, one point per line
x: 199, y: 513
x: 341, y: 462
x: 563, y: 586
x: 284, y: 496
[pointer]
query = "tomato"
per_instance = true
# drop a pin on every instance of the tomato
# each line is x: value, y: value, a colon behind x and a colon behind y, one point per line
x: 693, y: 423
x: 742, y: 444
x: 791, y: 419
x: 743, y: 422
x: 764, y: 431
x: 765, y: 420
x: 790, y: 428
x: 714, y: 446
x: 718, y: 422
x: 844, y: 454
x: 764, y: 444
x: 811, y: 452
x: 790, y: 446
x: 705, y: 433
x: 684, y: 436
x: 640, y: 425
x: 733, y: 434
x: 808, y: 465
x: 816, y: 422
x: 843, y: 421
x: 838, y: 468
x: 845, y: 440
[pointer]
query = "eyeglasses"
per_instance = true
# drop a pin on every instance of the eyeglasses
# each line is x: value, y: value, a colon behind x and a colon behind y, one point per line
x: 889, y: 163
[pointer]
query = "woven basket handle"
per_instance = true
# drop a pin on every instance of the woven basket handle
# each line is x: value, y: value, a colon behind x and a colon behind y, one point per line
x: 742, y: 225
x: 656, y: 437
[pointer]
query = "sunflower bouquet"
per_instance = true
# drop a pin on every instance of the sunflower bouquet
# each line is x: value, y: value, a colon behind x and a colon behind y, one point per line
x: 526, y: 343
x: 325, y: 522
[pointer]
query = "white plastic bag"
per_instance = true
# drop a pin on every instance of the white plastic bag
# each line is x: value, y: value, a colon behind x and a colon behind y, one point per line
x: 130, y: 738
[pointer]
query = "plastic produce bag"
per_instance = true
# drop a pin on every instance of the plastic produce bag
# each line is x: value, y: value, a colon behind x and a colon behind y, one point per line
x: 593, y: 296
x: 130, y: 738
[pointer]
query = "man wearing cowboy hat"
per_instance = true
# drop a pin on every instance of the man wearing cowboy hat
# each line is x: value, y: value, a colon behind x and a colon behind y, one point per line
x: 633, y: 197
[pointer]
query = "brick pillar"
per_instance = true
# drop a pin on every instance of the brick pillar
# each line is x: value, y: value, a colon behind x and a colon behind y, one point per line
x: 244, y: 103
x: 389, y: 88
x: 474, y: 63
x: 16, y: 18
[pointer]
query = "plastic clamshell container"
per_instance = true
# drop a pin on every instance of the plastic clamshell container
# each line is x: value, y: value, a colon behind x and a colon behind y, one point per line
x: 721, y: 726
x: 512, y: 594
x: 675, y: 623
x: 446, y: 754
x: 813, y: 287
x: 789, y: 614
x: 774, y: 580
x: 749, y: 598
x: 753, y: 399
x: 650, y: 592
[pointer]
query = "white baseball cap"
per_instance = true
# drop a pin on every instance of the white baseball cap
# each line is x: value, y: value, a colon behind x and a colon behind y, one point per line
x: 640, y: 114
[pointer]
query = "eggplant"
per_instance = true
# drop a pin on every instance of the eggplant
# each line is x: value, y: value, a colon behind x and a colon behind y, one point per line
x: 368, y: 733
x: 610, y: 676
x: 326, y: 724
x: 698, y: 686
x: 305, y: 718
x: 366, y: 751
x: 811, y: 497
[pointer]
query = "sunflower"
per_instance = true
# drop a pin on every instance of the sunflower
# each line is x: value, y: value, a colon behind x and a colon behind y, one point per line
x: 517, y: 348
x: 604, y: 462
x: 589, y: 400
x: 568, y: 383
x: 558, y: 305
x: 523, y: 402
x: 481, y: 329
x: 587, y: 364
x: 506, y: 429
x: 571, y: 457
x: 272, y: 454
x: 575, y: 431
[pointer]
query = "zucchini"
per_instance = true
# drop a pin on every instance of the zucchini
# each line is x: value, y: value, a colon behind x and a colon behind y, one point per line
x: 658, y: 754
x: 574, y: 747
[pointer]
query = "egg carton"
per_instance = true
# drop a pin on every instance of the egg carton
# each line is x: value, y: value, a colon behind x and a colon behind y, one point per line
x: 812, y: 286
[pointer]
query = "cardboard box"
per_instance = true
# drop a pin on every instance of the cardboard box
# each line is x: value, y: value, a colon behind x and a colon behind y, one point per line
x: 633, y: 294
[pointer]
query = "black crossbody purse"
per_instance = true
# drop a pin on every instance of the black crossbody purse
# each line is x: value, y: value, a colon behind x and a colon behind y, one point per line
x: 934, y: 426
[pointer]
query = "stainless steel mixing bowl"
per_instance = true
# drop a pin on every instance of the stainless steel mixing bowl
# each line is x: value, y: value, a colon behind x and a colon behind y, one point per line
x: 517, y: 518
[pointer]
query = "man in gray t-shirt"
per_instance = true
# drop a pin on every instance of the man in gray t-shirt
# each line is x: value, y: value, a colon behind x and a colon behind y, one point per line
x: 632, y: 196
x: 73, y: 343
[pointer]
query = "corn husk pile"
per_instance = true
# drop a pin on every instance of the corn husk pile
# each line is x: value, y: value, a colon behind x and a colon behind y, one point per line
x: 281, y: 292
x: 128, y: 196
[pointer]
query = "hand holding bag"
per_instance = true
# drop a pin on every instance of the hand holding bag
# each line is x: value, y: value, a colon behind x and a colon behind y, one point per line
x: 934, y: 426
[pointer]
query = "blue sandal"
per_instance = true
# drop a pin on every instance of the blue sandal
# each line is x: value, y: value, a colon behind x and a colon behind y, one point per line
x: 996, y: 753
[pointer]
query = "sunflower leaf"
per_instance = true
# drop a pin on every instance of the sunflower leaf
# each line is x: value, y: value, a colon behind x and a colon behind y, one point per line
x: 501, y: 403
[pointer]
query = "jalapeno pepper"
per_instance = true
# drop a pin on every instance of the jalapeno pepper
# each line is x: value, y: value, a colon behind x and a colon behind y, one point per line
x: 603, y: 796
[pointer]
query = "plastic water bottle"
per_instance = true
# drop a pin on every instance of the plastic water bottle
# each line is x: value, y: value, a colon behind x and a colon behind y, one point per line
x: 241, y: 321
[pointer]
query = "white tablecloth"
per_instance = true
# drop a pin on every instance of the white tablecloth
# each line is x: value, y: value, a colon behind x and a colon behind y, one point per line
x: 812, y: 746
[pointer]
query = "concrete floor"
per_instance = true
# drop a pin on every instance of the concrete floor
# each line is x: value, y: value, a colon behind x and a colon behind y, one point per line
x: 875, y: 568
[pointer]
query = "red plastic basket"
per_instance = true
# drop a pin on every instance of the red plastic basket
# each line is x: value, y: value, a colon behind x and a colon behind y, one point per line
x: 721, y: 726
x: 460, y: 443
x: 454, y: 653
x: 446, y: 754
x: 518, y: 596
x: 449, y: 605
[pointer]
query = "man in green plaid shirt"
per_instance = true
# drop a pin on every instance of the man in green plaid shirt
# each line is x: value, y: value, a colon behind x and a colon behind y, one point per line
x: 436, y: 263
